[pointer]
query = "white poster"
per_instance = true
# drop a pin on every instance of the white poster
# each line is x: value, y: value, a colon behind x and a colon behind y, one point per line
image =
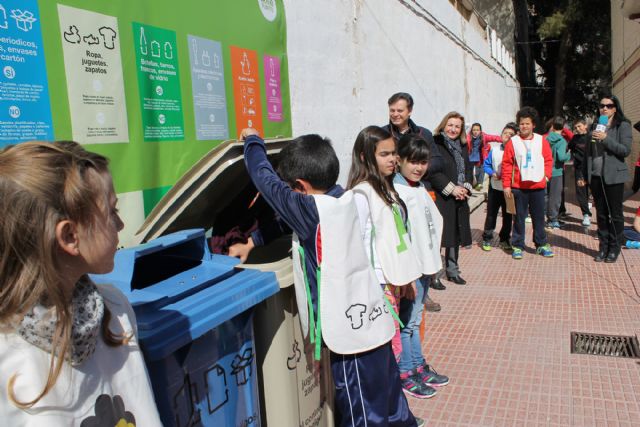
x: 93, y: 66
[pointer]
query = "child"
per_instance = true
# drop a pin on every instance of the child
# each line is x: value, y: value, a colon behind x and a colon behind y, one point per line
x: 495, y: 200
x: 425, y: 230
x: 68, y: 349
x: 342, y: 300
x: 632, y: 234
x: 555, y: 186
x: 478, y: 146
x: 527, y: 161
x: 577, y: 146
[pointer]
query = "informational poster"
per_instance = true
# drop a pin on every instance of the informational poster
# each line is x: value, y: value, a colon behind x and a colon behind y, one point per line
x: 158, y: 83
x: 25, y: 112
x: 272, y: 88
x: 93, y: 65
x: 246, y: 88
x: 207, y: 84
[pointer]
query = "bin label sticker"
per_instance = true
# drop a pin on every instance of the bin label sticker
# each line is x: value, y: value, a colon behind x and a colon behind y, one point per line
x: 273, y: 88
x: 246, y: 89
x: 207, y: 85
x: 241, y: 365
x: 296, y: 354
x: 158, y: 83
x: 95, y: 85
x: 25, y: 112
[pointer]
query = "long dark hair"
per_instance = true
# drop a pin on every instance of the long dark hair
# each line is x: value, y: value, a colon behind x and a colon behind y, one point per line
x: 364, y: 167
x: 618, y: 116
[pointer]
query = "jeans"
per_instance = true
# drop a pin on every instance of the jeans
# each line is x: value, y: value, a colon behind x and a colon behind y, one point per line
x: 608, y: 201
x: 495, y: 202
x: 478, y: 172
x: 582, y: 194
x: 631, y: 234
x: 554, y: 197
x: 529, y: 201
x: 411, y: 315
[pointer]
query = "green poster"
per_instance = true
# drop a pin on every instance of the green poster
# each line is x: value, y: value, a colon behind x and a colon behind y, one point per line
x: 158, y: 83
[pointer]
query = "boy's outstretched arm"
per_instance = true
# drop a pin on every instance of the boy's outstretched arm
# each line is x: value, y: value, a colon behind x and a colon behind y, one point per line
x: 296, y: 209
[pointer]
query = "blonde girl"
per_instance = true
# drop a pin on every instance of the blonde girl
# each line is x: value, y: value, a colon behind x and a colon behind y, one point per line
x: 68, y: 351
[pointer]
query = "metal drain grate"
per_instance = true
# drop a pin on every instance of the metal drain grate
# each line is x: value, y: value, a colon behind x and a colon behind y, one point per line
x: 605, y: 345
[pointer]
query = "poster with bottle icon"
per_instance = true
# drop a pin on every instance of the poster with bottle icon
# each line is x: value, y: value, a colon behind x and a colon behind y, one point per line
x: 25, y: 112
x: 95, y: 86
x: 246, y: 88
x: 207, y: 85
x: 158, y: 83
x: 272, y: 88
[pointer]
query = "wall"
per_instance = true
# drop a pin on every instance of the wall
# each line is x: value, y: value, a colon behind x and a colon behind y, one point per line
x: 625, y: 66
x: 346, y: 60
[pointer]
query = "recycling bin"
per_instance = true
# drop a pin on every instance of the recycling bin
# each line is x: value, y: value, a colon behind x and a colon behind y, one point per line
x: 294, y: 390
x: 194, y: 315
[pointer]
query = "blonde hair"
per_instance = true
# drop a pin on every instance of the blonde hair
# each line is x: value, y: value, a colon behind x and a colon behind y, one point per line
x: 443, y: 124
x: 42, y: 184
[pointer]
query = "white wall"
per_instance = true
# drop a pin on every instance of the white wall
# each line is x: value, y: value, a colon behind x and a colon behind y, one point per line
x: 347, y: 57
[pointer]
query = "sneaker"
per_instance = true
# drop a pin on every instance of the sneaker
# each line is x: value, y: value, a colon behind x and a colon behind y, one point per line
x: 416, y: 388
x: 556, y: 225
x: 549, y: 225
x: 586, y: 220
x: 516, y: 253
x: 486, y: 245
x: 505, y: 246
x: 419, y: 421
x: 431, y: 305
x: 430, y: 377
x: 527, y: 219
x: 545, y: 251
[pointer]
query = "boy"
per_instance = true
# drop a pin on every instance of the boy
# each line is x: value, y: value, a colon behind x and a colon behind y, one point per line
x: 526, y: 169
x: 555, y: 186
x: 495, y: 200
x: 342, y: 301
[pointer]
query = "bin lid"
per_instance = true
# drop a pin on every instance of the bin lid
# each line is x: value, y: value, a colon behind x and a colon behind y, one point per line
x: 163, y: 331
x: 202, y: 192
x: 166, y: 269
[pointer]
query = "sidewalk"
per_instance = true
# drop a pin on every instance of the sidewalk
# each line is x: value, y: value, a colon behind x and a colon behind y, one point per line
x: 504, y: 339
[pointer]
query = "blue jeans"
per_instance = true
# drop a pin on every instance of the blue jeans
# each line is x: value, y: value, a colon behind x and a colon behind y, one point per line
x: 529, y: 201
x: 411, y: 315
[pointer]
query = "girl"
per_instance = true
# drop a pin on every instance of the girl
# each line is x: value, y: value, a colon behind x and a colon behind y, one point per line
x: 68, y: 351
x: 452, y: 184
x: 383, y: 218
x: 425, y: 230
x: 478, y: 147
x: 495, y: 199
x: 605, y: 170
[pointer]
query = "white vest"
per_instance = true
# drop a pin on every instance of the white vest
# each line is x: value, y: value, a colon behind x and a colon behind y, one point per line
x: 531, y: 166
x: 392, y: 243
x: 496, y: 163
x: 425, y: 226
x: 353, y: 314
x: 109, y: 376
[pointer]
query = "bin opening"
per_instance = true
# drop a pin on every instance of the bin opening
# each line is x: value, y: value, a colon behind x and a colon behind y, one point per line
x: 173, y: 260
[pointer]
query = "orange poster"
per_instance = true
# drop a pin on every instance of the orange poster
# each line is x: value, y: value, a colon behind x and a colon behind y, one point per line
x: 246, y: 89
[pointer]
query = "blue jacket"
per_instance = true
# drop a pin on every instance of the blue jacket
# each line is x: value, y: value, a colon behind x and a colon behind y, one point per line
x: 297, y: 210
x: 488, y: 162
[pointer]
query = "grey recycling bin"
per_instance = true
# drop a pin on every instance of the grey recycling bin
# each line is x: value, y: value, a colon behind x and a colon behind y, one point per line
x: 294, y: 390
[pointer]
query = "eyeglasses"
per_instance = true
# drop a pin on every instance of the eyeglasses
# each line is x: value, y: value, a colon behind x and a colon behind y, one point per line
x: 609, y: 106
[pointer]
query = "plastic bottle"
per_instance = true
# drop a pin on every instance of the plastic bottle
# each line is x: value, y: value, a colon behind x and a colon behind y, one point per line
x: 632, y: 244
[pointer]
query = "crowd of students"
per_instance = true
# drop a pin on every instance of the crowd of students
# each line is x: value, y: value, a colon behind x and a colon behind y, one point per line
x: 400, y: 223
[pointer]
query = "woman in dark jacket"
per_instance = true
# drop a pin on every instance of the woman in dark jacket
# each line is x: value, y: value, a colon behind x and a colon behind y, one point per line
x: 605, y: 170
x: 451, y: 182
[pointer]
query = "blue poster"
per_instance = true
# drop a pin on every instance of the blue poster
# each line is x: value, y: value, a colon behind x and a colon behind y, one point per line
x: 25, y: 112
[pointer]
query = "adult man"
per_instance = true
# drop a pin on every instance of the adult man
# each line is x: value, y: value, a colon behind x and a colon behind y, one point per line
x: 400, y: 123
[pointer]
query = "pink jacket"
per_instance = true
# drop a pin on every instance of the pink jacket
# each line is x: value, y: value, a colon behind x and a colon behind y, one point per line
x: 485, y: 147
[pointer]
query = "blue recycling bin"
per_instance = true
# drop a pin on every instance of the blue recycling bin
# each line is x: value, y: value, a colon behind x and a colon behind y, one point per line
x: 194, y: 315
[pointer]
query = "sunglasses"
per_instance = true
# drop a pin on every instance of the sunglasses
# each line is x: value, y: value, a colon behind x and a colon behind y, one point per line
x: 609, y: 106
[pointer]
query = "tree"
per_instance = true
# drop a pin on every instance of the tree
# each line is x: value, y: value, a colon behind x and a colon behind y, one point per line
x: 570, y: 40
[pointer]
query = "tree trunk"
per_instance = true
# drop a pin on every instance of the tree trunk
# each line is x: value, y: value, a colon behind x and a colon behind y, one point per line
x: 525, y: 66
x: 561, y: 72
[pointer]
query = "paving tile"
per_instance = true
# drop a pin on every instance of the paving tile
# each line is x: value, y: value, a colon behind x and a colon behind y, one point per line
x: 504, y: 339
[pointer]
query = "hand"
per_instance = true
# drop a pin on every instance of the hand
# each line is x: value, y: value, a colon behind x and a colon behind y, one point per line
x: 408, y: 291
x: 507, y: 193
x: 460, y: 193
x: 580, y: 183
x: 241, y: 250
x: 247, y: 132
x: 598, y: 136
x: 495, y: 176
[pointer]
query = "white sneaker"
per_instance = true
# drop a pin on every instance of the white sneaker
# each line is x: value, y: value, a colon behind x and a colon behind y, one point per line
x: 527, y: 219
x: 586, y: 221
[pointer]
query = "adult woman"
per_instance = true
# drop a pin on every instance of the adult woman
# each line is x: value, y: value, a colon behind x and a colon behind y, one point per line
x: 605, y: 169
x: 452, y: 185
